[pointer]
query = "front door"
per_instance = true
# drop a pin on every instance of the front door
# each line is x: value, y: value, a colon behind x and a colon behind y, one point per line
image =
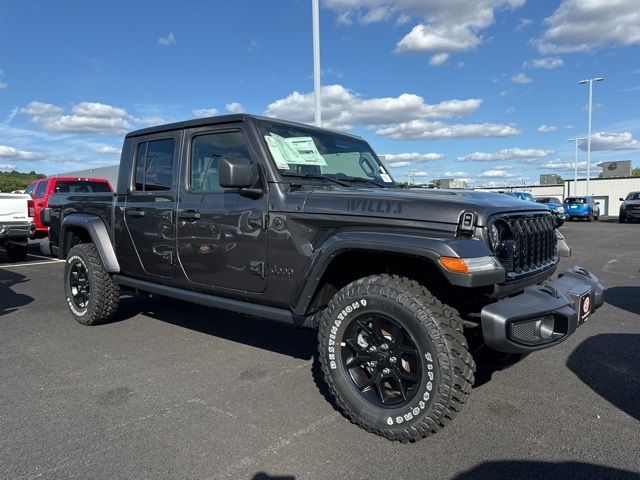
x: 150, y: 203
x: 221, y: 239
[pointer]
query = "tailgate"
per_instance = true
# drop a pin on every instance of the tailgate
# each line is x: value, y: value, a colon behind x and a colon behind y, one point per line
x: 13, y: 207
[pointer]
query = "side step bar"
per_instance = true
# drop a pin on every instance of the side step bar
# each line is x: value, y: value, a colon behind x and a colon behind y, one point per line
x: 261, y: 311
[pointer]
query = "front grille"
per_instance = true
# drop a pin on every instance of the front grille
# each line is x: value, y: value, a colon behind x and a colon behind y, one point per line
x: 526, y: 242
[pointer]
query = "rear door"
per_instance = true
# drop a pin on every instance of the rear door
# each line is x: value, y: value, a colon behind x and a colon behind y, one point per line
x: 40, y: 201
x: 221, y: 239
x: 150, y: 203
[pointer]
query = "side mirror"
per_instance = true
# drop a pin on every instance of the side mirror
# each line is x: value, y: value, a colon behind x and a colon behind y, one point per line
x: 597, y: 203
x: 621, y: 199
x: 235, y: 172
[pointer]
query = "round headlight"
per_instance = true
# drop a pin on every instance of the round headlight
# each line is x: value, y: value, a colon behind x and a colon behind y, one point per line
x: 494, y: 237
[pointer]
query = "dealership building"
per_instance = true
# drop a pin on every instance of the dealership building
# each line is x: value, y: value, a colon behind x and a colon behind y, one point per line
x: 607, y: 191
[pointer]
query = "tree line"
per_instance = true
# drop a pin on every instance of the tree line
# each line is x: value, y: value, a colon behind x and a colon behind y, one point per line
x: 14, y: 180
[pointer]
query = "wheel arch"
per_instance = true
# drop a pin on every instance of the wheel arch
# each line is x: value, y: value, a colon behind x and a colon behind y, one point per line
x: 346, y: 256
x: 84, y: 228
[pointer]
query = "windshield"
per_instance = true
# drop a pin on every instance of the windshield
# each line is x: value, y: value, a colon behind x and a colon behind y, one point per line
x: 576, y: 201
x: 633, y: 196
x: 552, y: 200
x: 298, y: 151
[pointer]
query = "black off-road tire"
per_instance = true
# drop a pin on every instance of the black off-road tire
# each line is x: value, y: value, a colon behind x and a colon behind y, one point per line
x: 17, y: 253
x: 104, y: 292
x: 448, y: 369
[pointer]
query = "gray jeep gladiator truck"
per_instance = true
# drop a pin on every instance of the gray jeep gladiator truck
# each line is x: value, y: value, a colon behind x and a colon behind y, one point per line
x: 305, y: 226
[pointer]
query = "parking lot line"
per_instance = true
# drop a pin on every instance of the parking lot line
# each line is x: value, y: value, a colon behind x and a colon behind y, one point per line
x: 28, y: 264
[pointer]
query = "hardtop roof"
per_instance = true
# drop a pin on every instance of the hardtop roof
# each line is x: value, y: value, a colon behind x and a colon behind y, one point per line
x: 222, y: 119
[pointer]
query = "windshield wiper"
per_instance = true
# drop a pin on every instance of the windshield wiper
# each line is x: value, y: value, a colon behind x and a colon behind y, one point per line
x: 363, y: 180
x: 315, y: 175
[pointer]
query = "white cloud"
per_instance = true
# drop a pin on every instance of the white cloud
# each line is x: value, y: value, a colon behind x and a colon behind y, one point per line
x: 424, y: 130
x: 546, y: 63
x: 444, y: 26
x: 13, y: 153
x: 86, y: 117
x: 568, y: 127
x: 495, y: 173
x: 342, y: 108
x: 455, y: 174
x: 506, y: 154
x: 397, y: 164
x: 438, y: 59
x: 234, y: 107
x: 168, y: 40
x: 7, y: 167
x: 3, y: 84
x: 413, y: 157
x: 108, y: 150
x: 547, y: 128
x: 611, y: 141
x: 204, y: 112
x: 561, y: 166
x: 521, y: 78
x: 524, y: 23
x: 584, y: 25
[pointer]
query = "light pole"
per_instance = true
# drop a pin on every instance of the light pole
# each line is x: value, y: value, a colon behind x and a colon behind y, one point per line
x: 590, y: 82
x: 315, y: 13
x: 575, y: 140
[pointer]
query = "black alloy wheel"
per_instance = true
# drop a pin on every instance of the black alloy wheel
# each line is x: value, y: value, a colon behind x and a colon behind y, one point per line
x: 79, y: 283
x: 382, y: 360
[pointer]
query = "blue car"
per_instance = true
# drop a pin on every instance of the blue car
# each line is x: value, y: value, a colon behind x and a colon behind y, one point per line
x: 556, y: 208
x: 582, y: 207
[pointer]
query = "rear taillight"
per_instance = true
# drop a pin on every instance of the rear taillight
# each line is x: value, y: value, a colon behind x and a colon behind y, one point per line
x: 32, y: 208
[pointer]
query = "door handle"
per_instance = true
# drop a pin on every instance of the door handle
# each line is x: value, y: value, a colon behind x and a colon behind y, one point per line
x: 189, y: 215
x: 136, y: 213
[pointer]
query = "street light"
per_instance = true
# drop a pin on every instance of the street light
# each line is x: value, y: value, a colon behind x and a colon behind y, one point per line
x: 315, y: 14
x: 590, y: 82
x: 575, y: 140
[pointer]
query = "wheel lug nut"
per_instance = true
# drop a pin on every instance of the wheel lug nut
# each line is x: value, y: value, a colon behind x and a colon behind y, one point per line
x: 372, y: 348
x: 384, y: 346
x: 386, y: 371
x: 393, y: 359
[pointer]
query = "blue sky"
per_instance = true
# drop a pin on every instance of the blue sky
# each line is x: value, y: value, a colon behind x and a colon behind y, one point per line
x: 485, y: 90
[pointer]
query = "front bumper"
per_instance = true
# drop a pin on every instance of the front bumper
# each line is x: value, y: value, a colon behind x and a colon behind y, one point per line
x: 630, y: 213
x: 542, y: 315
x: 16, y: 231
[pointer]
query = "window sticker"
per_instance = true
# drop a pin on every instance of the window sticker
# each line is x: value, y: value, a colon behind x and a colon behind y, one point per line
x: 385, y: 178
x: 276, y: 152
x: 294, y: 151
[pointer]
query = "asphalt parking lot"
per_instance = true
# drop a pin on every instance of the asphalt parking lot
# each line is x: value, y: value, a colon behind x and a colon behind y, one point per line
x: 175, y: 391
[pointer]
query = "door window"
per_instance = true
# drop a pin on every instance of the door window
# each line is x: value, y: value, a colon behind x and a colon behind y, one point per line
x: 154, y: 165
x: 41, y: 189
x: 206, y: 151
x: 31, y: 188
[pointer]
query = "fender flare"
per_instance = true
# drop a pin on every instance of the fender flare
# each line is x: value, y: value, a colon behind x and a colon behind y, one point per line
x: 429, y: 248
x: 99, y: 234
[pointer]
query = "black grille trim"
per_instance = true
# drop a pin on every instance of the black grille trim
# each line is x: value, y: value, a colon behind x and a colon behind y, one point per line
x: 527, y: 243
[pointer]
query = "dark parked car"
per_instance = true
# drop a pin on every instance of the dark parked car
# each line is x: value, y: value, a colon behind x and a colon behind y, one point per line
x: 630, y: 207
x: 556, y: 208
x: 305, y: 226
x: 582, y: 207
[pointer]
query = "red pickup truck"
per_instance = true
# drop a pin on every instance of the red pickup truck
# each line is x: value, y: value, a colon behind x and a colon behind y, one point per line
x: 41, y: 190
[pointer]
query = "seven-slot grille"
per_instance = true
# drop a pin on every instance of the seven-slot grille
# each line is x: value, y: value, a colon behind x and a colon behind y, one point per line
x: 528, y: 242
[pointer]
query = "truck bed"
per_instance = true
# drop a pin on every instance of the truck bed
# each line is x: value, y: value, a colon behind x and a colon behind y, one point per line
x: 63, y: 204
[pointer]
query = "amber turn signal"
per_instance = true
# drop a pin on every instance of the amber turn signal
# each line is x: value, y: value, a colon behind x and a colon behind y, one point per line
x: 454, y: 264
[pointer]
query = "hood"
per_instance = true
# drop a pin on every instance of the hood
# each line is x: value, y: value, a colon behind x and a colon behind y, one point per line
x: 443, y: 206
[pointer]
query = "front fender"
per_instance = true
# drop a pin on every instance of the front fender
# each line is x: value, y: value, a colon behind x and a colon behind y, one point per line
x: 430, y: 248
x: 97, y: 230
